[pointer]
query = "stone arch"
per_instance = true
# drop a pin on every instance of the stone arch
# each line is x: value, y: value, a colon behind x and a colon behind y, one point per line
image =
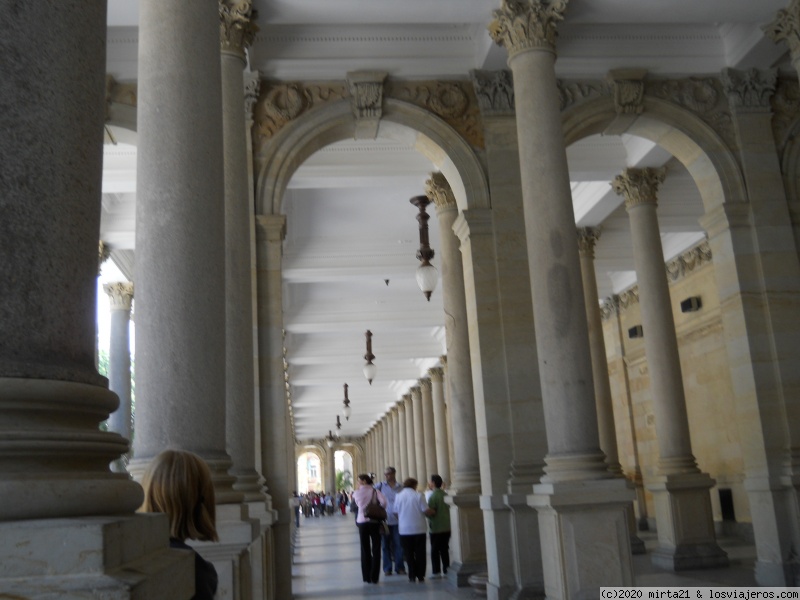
x: 694, y: 143
x: 429, y: 135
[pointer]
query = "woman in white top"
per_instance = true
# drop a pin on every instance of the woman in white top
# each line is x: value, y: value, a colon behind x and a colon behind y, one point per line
x: 411, y: 510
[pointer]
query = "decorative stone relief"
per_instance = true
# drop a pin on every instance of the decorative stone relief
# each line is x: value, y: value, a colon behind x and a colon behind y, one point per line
x: 252, y: 86
x: 750, y: 89
x: 619, y: 303
x: 366, y: 91
x: 494, y: 91
x: 573, y: 92
x: 280, y: 103
x: 103, y: 253
x: 703, y: 96
x: 587, y: 239
x: 688, y: 261
x: 438, y: 189
x: 119, y: 93
x: 236, y: 28
x: 453, y: 101
x: 120, y: 294
x: 786, y: 26
x: 628, y: 87
x: 639, y: 186
x: 525, y: 24
x: 785, y: 110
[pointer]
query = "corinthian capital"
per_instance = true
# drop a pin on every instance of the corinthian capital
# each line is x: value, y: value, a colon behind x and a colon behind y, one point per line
x: 236, y: 28
x: 639, y: 186
x: 587, y: 239
x: 750, y: 89
x: 120, y: 294
x: 438, y: 190
x: 786, y: 26
x: 527, y: 24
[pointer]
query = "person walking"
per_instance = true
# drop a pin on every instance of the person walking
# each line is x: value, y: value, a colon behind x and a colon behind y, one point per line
x: 439, y: 527
x: 368, y: 531
x: 392, y: 549
x: 411, y: 510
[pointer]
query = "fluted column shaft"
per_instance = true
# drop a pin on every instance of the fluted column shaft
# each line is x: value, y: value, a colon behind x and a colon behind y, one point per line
x: 180, y: 234
x: 235, y: 36
x: 396, y: 459
x: 439, y: 423
x: 419, y: 435
x: 48, y: 272
x: 428, y: 426
x: 402, y: 439
x: 410, y: 439
x: 277, y: 453
x: 120, y: 295
x: 565, y: 366
x: 639, y: 186
x: 461, y: 403
x: 587, y: 238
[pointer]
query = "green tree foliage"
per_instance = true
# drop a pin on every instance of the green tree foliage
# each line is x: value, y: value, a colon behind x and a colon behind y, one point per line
x: 344, y: 480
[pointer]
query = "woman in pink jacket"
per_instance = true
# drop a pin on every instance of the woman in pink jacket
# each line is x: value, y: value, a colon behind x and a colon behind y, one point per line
x: 369, y: 532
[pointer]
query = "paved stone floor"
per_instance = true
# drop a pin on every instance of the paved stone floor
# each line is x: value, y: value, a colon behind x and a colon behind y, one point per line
x: 327, y: 566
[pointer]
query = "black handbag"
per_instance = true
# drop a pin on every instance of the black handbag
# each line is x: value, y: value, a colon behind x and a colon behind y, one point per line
x: 374, y: 511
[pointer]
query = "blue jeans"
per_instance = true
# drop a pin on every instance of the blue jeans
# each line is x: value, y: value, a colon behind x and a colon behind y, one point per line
x: 392, y: 549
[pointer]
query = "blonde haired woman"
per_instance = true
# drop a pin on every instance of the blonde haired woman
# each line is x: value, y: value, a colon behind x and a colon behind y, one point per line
x: 178, y: 484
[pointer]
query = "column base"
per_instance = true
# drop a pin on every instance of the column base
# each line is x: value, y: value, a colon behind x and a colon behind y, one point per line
x: 467, y: 541
x: 127, y: 558
x: 585, y: 539
x: 527, y: 547
x: 686, y: 538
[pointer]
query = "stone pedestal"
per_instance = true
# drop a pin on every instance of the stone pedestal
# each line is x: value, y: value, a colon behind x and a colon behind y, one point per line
x: 595, y: 537
x: 124, y: 558
x: 528, y: 556
x: 686, y: 538
x: 467, y: 541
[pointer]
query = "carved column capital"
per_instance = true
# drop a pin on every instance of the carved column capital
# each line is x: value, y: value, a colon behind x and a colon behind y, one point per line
x: 786, y: 26
x: 628, y: 85
x: 587, y: 238
x: 436, y: 374
x: 236, y: 27
x: 639, y: 186
x: 438, y: 189
x: 424, y: 383
x: 750, y: 90
x: 520, y: 25
x: 120, y: 294
x: 494, y: 91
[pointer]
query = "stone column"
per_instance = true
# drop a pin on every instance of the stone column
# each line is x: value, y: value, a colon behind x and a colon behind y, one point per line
x: 180, y: 332
x: 53, y: 459
x: 396, y: 459
x: 120, y: 296
x: 236, y: 34
x: 330, y: 470
x: 439, y: 424
x: 419, y: 435
x: 681, y: 492
x: 402, y: 439
x: 587, y: 238
x: 579, y: 503
x: 410, y: 439
x: 468, y: 545
x: 275, y: 433
x: 428, y: 426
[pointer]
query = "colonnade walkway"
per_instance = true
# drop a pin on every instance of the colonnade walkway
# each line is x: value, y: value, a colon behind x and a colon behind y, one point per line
x: 327, y: 566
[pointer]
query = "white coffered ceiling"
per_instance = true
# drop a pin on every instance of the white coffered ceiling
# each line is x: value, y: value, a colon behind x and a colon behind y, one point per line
x: 350, y: 226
